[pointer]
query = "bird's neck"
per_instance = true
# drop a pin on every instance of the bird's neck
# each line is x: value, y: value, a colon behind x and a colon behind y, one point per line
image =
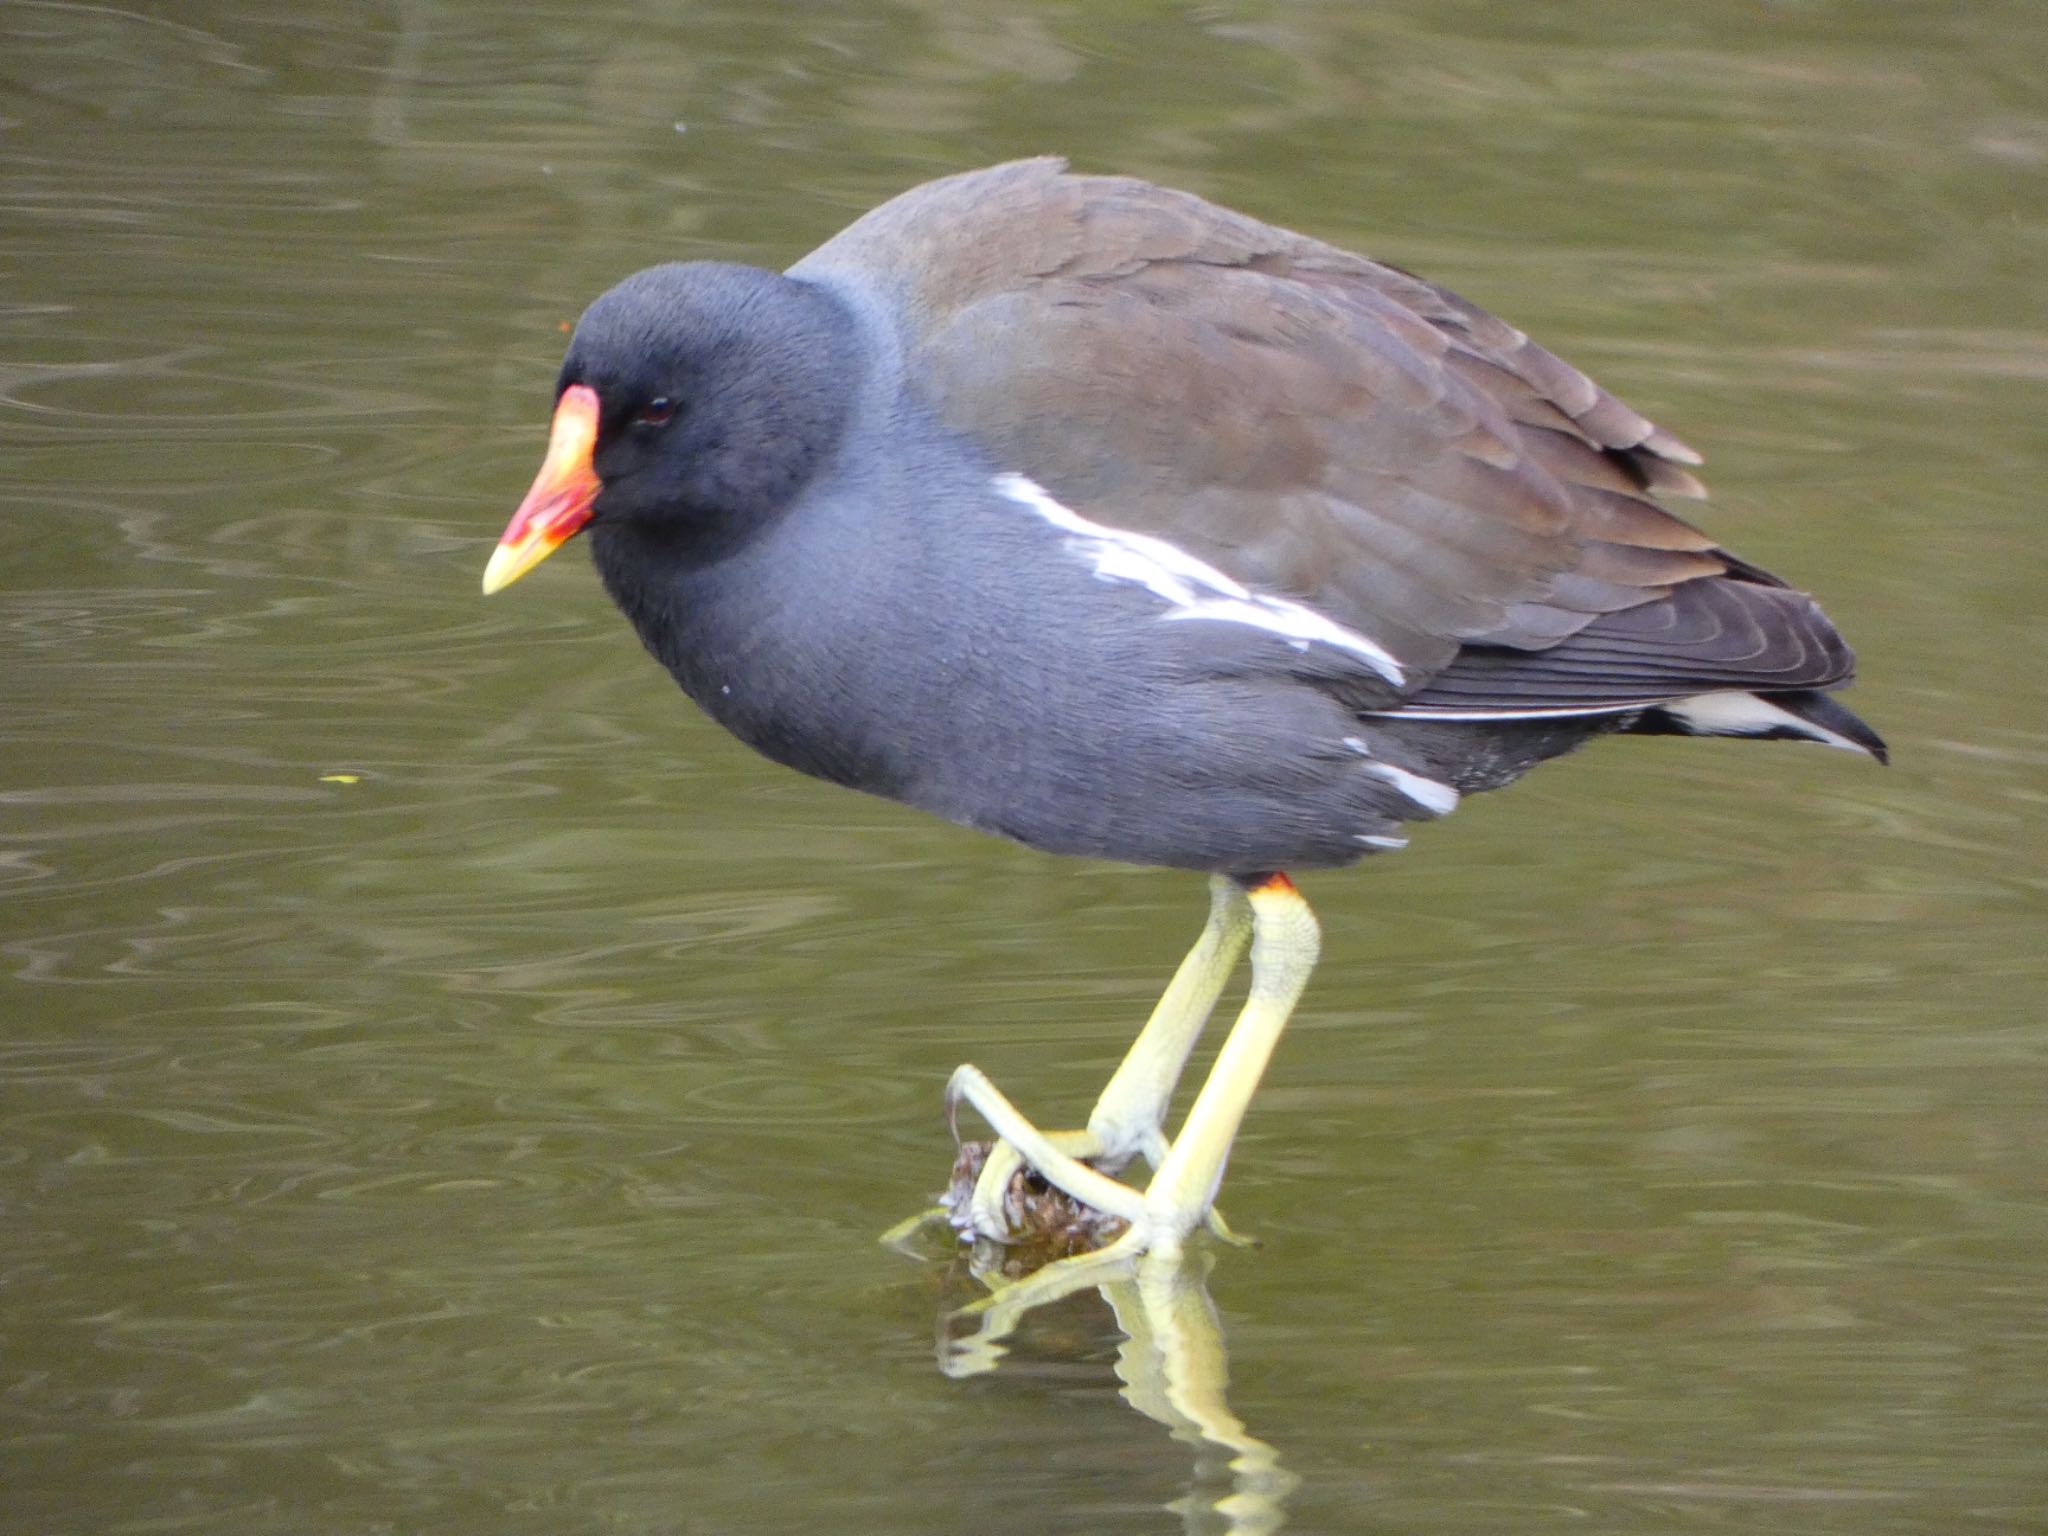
x: 768, y: 635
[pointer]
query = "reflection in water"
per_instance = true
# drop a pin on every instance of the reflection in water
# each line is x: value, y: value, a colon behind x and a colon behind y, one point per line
x: 1175, y: 1367
x: 1173, y: 1362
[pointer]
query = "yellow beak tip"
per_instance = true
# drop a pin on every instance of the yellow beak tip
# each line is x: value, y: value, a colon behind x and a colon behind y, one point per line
x: 507, y: 565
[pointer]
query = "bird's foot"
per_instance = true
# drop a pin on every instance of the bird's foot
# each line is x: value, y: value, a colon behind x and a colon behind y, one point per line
x: 1040, y: 1191
x: 1035, y: 1222
x: 997, y: 1197
x: 1055, y: 1158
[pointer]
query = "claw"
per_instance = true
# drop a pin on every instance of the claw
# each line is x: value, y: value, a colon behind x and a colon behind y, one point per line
x: 1221, y: 1230
x: 956, y: 1090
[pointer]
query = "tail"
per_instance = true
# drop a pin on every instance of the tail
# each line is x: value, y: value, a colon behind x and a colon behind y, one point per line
x: 1804, y: 714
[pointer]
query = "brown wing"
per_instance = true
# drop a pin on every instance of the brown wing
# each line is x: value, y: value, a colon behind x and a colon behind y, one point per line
x: 1327, y: 429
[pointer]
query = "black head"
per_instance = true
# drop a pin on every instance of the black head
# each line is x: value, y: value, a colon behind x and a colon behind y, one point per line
x: 722, y: 390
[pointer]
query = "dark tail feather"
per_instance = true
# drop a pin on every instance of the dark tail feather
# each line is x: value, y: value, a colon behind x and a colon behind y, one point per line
x: 1803, y: 714
x: 1821, y: 709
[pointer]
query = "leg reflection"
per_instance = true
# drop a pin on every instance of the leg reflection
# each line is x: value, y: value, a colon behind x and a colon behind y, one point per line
x: 1173, y: 1365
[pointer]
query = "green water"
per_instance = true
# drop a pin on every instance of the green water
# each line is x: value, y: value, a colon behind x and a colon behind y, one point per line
x: 497, y: 1140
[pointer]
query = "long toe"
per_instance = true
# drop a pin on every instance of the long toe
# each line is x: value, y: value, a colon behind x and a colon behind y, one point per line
x: 1055, y: 1157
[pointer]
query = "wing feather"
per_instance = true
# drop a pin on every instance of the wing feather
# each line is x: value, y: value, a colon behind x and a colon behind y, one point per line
x: 1330, y: 430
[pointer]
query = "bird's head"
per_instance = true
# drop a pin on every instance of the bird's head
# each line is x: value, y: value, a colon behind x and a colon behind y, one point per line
x: 696, y: 401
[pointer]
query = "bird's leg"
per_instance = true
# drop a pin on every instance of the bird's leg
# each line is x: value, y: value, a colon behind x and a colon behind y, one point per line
x: 1129, y: 1118
x: 1285, y: 943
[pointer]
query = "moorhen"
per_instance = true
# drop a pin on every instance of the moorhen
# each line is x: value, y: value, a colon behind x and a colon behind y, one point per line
x: 1094, y: 515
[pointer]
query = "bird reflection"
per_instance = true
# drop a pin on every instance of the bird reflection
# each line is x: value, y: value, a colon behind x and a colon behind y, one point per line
x: 1173, y: 1362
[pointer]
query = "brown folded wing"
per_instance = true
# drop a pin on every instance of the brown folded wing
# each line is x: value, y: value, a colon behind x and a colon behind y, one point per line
x: 1328, y: 429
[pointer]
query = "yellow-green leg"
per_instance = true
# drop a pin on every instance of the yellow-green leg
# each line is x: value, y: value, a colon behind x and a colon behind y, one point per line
x: 1285, y: 941
x: 1130, y: 1116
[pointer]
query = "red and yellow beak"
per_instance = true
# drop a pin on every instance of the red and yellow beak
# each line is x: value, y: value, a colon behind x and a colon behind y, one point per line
x: 559, y: 503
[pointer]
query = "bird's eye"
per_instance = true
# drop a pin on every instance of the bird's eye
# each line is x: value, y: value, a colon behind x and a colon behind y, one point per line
x: 656, y: 412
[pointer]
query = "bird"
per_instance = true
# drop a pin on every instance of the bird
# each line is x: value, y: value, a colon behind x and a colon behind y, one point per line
x: 1097, y: 516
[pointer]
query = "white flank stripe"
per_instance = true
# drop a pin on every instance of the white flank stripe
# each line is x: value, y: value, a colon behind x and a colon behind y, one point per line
x: 1427, y: 793
x: 1194, y: 588
x: 1541, y: 712
x: 1374, y: 840
x: 1745, y: 714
